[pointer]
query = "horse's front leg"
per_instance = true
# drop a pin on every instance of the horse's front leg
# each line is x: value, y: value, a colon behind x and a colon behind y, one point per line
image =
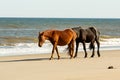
x: 52, y: 53
x: 77, y: 45
x: 54, y: 47
x: 57, y: 53
x: 84, y: 47
x: 93, y: 46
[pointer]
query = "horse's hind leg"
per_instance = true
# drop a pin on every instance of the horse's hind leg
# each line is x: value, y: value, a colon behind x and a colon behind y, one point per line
x: 98, y: 45
x: 71, y: 48
x: 93, y: 52
x: 57, y: 53
x: 84, y: 47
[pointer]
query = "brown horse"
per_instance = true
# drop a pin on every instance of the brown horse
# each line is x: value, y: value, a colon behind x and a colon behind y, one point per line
x: 57, y: 37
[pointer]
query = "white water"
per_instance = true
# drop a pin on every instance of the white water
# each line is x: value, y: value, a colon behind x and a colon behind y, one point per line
x: 32, y: 48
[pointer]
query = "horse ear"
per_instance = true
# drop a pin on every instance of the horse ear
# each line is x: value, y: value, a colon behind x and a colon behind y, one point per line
x: 40, y: 33
x: 80, y: 27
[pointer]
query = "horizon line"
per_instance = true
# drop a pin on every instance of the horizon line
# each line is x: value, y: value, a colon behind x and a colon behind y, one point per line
x: 63, y: 17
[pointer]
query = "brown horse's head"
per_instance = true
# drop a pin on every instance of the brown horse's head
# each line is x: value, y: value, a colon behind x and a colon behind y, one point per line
x: 41, y: 39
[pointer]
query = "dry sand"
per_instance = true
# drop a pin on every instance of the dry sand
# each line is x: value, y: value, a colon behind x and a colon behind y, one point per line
x: 39, y: 67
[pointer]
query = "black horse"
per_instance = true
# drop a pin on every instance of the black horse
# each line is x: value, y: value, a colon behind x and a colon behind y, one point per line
x: 89, y: 35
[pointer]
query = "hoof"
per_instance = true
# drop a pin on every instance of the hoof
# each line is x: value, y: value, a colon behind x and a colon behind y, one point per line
x: 92, y: 56
x: 58, y: 58
x: 50, y: 58
x: 99, y: 56
x: 74, y: 56
x: 71, y: 57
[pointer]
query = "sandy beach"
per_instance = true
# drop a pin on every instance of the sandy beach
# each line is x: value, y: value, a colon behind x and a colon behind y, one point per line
x: 39, y: 67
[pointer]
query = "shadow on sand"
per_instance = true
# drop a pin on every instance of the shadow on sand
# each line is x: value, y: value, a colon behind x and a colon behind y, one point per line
x: 33, y: 59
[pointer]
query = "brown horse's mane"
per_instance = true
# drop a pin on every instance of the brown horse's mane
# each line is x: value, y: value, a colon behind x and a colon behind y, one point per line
x: 47, y: 32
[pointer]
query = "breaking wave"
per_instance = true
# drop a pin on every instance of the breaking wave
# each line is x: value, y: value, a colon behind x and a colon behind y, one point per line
x: 32, y: 48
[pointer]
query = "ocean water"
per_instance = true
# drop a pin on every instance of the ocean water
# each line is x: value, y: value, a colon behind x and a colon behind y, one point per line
x: 18, y: 36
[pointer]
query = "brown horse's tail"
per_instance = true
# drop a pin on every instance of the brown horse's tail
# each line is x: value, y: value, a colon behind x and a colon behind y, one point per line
x: 68, y: 49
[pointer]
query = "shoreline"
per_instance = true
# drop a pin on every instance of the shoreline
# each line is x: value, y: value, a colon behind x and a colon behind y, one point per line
x: 63, y: 54
x: 32, y: 48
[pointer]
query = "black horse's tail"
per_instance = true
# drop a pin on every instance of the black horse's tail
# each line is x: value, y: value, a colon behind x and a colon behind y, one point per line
x: 91, y: 46
x: 97, y: 34
x: 95, y: 31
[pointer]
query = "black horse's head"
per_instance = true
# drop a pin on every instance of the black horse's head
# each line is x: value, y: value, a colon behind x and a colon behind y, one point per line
x: 77, y: 30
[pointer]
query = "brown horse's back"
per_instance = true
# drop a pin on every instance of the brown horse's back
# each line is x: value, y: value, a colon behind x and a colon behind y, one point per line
x: 63, y: 37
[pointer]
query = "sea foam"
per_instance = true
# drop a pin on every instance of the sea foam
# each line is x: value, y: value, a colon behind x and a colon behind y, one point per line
x: 32, y: 48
